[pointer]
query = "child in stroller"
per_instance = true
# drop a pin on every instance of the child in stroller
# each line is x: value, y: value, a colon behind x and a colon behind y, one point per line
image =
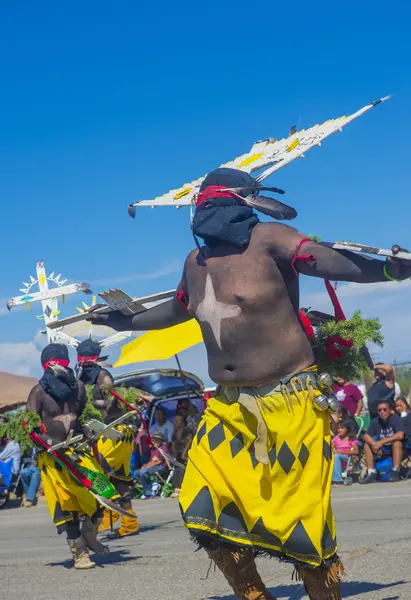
x: 346, y: 453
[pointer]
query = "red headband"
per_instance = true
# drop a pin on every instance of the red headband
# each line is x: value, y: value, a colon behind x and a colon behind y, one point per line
x: 214, y: 191
x: 87, y: 359
x: 58, y: 361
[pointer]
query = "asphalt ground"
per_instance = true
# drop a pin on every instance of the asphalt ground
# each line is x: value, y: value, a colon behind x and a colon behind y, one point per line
x: 374, y: 534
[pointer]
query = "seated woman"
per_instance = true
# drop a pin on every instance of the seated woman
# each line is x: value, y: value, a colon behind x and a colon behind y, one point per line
x: 403, y: 410
x: 402, y: 407
x: 344, y: 446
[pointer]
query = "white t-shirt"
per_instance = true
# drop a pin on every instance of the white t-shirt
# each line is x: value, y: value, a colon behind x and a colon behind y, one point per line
x: 167, y: 430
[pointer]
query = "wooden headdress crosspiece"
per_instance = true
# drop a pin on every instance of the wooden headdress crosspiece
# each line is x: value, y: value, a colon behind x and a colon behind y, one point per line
x: 270, y: 154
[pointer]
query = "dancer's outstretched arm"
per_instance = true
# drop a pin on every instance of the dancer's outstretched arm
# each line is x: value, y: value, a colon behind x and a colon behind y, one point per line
x: 324, y: 262
x: 163, y: 315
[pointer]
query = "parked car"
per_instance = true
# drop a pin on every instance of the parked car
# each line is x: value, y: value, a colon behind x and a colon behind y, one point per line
x: 168, y: 388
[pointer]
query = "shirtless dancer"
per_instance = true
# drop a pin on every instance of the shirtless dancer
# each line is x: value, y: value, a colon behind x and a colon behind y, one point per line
x: 114, y: 456
x: 259, y: 472
x: 59, y: 400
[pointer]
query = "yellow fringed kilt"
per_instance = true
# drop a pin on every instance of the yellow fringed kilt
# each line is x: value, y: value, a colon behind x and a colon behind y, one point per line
x: 282, y: 508
x: 63, y: 494
x: 115, y: 457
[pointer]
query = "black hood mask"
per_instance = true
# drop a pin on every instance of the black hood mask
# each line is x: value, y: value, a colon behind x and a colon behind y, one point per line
x: 88, y: 369
x: 58, y: 379
x: 224, y: 212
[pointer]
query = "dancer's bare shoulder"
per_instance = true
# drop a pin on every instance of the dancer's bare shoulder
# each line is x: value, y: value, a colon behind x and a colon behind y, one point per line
x: 281, y: 241
x: 36, y: 398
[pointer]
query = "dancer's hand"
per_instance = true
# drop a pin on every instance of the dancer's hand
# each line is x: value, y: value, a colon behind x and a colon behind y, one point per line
x: 397, y: 268
x: 114, y: 319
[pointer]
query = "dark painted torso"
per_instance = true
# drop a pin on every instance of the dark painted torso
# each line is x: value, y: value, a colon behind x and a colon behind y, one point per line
x: 247, y: 308
x: 58, y: 417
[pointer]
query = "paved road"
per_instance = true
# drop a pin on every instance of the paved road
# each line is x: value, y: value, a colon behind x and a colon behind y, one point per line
x: 374, y: 524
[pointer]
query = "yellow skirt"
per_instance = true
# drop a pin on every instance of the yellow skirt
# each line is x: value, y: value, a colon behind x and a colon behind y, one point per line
x: 282, y: 508
x: 115, y: 457
x: 63, y: 494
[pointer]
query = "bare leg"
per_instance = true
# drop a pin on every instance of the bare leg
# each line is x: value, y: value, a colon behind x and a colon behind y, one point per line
x: 397, y: 452
x: 239, y: 568
x: 369, y: 456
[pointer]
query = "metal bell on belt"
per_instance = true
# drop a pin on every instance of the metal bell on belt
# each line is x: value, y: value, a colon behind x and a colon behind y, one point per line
x: 327, y: 402
x: 321, y: 402
x: 325, y: 380
x: 333, y: 403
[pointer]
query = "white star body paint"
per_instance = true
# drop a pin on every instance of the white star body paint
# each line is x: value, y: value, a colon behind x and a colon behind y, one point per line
x: 213, y: 312
x: 68, y: 420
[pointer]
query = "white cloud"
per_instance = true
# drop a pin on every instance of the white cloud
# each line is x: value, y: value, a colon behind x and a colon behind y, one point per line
x: 175, y: 266
x: 361, y: 289
x: 20, y: 359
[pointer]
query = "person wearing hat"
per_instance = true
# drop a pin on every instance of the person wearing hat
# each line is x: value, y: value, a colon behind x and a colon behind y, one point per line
x: 258, y: 478
x: 114, y: 456
x: 156, y: 464
x: 59, y: 399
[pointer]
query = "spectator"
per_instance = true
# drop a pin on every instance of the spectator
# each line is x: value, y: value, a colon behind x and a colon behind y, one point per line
x: 190, y: 412
x: 348, y: 396
x: 194, y: 417
x: 402, y: 407
x: 30, y: 478
x: 382, y: 390
x: 11, y: 451
x: 183, y: 407
x: 156, y: 464
x: 141, y: 449
x: 182, y: 438
x: 384, y: 437
x: 404, y: 411
x: 344, y: 446
x: 162, y: 425
x: 342, y: 414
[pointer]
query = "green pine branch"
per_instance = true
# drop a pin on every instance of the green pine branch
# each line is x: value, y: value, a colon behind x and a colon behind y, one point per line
x: 352, y: 365
x: 13, y: 428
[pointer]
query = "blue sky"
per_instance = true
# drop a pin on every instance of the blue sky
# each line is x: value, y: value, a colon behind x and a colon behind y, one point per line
x: 103, y: 103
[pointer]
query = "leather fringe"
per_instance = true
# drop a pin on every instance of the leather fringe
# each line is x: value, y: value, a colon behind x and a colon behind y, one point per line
x: 335, y: 571
x: 210, y: 542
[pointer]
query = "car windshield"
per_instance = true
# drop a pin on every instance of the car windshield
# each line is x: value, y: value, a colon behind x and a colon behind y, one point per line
x: 170, y: 408
x: 160, y: 384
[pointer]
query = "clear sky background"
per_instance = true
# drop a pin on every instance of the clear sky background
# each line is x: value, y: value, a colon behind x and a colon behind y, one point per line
x: 103, y: 103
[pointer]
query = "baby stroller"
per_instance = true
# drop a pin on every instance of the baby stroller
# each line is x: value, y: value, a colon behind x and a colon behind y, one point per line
x: 354, y: 466
x: 9, y: 483
x: 161, y: 485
